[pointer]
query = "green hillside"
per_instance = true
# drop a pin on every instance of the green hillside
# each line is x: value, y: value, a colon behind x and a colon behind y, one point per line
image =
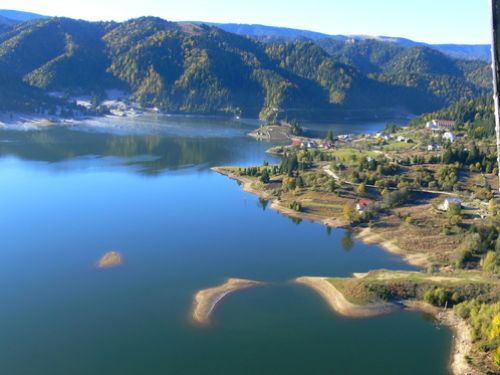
x: 189, y: 68
x: 475, y: 115
x: 422, y: 68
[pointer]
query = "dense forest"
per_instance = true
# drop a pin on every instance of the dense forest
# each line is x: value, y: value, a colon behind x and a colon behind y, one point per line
x: 192, y: 68
x: 475, y: 115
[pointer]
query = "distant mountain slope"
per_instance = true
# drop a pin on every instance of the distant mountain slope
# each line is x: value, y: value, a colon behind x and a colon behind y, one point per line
x: 268, y: 33
x: 57, y: 54
x: 19, y: 16
x: 19, y: 96
x: 417, y: 66
x: 193, y: 68
x: 4, y: 21
x: 465, y: 51
x: 273, y: 34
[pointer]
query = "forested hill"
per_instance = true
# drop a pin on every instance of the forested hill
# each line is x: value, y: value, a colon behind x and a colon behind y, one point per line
x: 475, y: 115
x: 272, y: 34
x: 192, y: 68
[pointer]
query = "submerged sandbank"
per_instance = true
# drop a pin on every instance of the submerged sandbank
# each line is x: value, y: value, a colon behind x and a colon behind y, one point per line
x: 340, y: 304
x: 110, y: 259
x: 205, y: 300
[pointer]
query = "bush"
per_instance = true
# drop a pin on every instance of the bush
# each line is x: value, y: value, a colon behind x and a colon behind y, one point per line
x: 396, y: 198
x: 484, y: 319
x: 289, y: 183
x: 491, y: 262
x: 264, y: 178
x: 296, y: 206
x: 436, y: 297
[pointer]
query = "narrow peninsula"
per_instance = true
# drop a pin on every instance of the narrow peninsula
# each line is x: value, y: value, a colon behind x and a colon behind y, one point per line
x: 205, y: 300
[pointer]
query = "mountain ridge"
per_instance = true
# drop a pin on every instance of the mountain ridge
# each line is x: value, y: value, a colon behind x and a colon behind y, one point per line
x: 196, y: 68
x: 276, y: 33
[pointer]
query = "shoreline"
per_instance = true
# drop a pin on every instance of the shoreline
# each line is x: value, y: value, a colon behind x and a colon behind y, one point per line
x: 339, y: 304
x: 367, y: 236
x: 11, y: 120
x: 461, y: 341
x: 205, y: 300
x: 247, y: 187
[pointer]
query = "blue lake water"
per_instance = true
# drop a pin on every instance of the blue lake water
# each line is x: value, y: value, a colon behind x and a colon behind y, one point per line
x: 145, y: 188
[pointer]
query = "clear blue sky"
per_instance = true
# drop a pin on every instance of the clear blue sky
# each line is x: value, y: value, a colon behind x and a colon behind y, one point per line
x: 432, y: 21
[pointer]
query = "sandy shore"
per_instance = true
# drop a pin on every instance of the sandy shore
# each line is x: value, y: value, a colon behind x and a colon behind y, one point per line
x: 340, y: 304
x: 462, y: 338
x: 366, y: 235
x: 275, y: 204
x: 205, y: 300
x: 369, y: 237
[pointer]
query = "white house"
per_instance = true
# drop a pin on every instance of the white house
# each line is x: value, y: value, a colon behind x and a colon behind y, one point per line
x: 308, y: 144
x: 445, y: 206
x: 363, y: 204
x: 440, y: 125
x: 449, y: 137
x: 433, y: 147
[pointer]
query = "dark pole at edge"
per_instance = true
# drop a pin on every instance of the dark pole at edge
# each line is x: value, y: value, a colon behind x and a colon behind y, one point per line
x: 496, y: 76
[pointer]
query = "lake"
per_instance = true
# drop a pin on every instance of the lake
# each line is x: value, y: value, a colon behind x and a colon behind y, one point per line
x: 144, y: 188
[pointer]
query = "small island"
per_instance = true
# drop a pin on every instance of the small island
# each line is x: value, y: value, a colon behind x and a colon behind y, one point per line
x: 205, y: 300
x: 110, y: 259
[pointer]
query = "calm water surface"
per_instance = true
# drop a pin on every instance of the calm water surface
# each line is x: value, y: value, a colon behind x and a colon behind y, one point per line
x: 144, y: 188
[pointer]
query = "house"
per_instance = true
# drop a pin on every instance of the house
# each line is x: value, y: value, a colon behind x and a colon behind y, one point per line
x: 308, y: 144
x: 327, y: 145
x: 385, y: 136
x: 401, y: 139
x: 345, y: 137
x: 445, y: 206
x: 449, y: 137
x: 433, y: 147
x: 436, y: 125
x: 363, y: 204
x: 296, y: 142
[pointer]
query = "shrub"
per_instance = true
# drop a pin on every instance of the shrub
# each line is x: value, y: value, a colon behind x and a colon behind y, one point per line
x: 296, y: 206
x: 491, y: 262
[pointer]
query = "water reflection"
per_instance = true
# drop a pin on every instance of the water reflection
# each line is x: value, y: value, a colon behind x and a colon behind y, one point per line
x: 347, y: 240
x: 263, y: 203
x: 178, y: 232
x: 149, y: 154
